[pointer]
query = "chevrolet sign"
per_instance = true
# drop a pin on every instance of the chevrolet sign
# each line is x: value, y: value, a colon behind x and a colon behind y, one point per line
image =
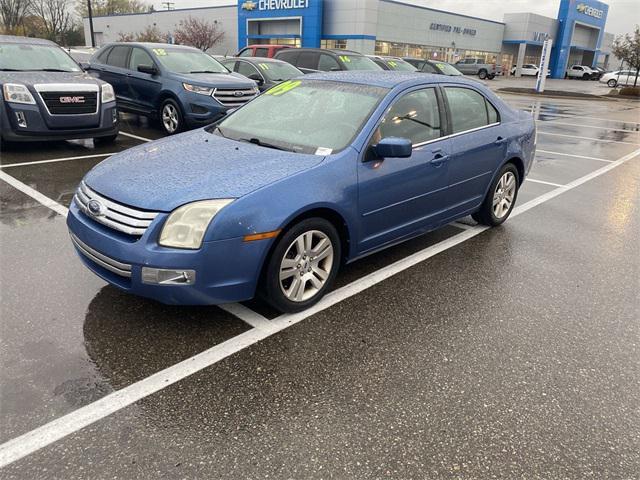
x: 587, y: 10
x: 249, y: 5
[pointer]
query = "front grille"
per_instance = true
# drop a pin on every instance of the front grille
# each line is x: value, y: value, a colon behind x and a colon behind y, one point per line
x: 114, y: 215
x: 234, y: 97
x: 70, y: 103
x: 108, y: 263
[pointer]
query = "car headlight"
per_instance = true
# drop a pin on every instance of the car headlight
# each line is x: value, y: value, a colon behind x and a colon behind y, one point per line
x: 198, y: 89
x: 186, y: 225
x: 108, y: 95
x: 17, y: 93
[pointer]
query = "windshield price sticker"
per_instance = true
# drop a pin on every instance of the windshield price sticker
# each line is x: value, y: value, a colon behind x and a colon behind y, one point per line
x: 161, y: 52
x: 344, y: 59
x: 283, y: 88
x: 393, y: 64
x: 263, y: 66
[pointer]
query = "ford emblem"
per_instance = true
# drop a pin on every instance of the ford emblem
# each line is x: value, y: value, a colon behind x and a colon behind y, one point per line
x: 238, y: 93
x: 95, y: 208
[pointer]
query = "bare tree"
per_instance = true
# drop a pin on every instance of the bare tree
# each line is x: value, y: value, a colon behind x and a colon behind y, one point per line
x: 12, y: 13
x: 627, y: 48
x: 198, y: 33
x: 56, y: 17
x: 151, y: 34
x: 112, y: 7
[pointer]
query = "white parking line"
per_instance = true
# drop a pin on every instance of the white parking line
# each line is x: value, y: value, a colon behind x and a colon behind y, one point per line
x: 137, y: 137
x: 586, y: 138
x: 36, y: 195
x: 247, y: 315
x: 53, y: 160
x: 51, y: 432
x: 543, y: 182
x: 554, y: 122
x: 575, y: 156
x: 585, y: 116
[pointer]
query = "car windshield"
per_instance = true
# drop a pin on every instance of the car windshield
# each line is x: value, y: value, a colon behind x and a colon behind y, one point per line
x: 278, y: 72
x: 400, y: 65
x: 180, y: 60
x: 448, y: 69
x: 358, y: 62
x: 32, y: 58
x: 305, y: 116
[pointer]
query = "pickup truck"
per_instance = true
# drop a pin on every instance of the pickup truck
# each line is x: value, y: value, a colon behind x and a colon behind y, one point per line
x: 583, y: 72
x: 478, y: 66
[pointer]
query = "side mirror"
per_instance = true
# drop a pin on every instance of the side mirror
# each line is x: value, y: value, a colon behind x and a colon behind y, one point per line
x: 150, y: 69
x: 394, y: 147
x: 256, y: 78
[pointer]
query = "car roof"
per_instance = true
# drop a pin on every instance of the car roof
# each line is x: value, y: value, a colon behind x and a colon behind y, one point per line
x: 257, y: 59
x: 152, y: 45
x: 25, y: 40
x: 388, y: 79
x: 337, y: 51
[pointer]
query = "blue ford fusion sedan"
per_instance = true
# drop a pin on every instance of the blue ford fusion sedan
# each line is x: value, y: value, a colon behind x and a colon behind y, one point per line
x: 315, y: 172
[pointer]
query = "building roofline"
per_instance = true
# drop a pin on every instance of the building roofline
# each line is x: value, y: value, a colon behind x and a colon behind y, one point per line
x: 162, y: 11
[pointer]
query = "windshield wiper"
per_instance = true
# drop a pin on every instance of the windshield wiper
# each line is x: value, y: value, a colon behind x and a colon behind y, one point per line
x: 257, y: 141
x: 10, y: 70
x: 50, y: 70
x: 204, y: 71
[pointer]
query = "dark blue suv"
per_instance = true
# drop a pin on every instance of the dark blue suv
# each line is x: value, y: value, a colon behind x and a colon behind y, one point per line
x: 181, y: 86
x: 47, y: 96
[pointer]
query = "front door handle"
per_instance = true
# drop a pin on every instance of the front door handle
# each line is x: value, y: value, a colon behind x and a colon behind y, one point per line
x: 439, y: 158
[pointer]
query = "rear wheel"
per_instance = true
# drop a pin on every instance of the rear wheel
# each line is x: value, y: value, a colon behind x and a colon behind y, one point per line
x: 303, y: 265
x: 482, y: 74
x: 501, y: 198
x: 612, y: 83
x: 171, y: 117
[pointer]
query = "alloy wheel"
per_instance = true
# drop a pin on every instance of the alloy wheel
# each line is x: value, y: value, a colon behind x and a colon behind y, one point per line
x: 170, y: 118
x: 306, y: 266
x: 504, y: 194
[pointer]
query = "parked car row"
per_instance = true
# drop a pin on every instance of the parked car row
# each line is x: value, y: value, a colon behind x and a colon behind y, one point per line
x: 621, y: 77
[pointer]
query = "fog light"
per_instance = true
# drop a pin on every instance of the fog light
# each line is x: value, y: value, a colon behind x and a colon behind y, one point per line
x: 160, y: 276
x: 22, y: 120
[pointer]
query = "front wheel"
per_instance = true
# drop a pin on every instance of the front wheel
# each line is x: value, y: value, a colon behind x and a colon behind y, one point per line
x: 500, y: 199
x: 612, y: 83
x: 171, y: 117
x: 491, y: 77
x: 482, y: 74
x: 303, y: 266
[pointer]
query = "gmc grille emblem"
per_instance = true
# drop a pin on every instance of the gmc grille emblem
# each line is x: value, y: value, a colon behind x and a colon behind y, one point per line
x: 71, y: 99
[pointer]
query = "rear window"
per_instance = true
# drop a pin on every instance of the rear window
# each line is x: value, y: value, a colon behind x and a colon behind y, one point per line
x: 262, y: 52
x: 118, y: 57
x: 469, y: 109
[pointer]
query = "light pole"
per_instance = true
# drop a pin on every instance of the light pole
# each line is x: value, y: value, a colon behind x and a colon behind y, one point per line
x: 93, y: 41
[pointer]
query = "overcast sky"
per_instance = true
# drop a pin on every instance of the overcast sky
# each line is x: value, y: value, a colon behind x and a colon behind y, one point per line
x: 623, y: 14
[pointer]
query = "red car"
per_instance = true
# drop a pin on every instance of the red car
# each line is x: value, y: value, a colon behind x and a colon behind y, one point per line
x: 265, y: 51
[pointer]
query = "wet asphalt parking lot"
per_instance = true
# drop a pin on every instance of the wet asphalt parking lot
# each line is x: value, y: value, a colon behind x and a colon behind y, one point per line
x: 466, y: 353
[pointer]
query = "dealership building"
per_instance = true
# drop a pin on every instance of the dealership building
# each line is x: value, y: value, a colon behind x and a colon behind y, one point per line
x: 389, y: 27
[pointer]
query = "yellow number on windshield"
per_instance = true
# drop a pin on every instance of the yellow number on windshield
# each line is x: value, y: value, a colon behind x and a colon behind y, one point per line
x: 284, y: 87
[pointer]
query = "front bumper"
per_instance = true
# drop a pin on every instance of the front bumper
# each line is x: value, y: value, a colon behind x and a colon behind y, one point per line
x: 225, y: 271
x: 104, y: 124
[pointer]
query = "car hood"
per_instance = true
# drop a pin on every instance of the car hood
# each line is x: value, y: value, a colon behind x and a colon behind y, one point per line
x: 217, y: 80
x: 196, y: 165
x: 35, y: 78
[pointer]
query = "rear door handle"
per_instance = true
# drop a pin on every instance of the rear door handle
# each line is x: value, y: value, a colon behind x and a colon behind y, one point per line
x: 500, y: 141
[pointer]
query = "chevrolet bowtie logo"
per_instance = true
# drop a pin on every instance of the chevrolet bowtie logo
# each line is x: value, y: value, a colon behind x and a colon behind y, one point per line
x: 581, y: 7
x: 249, y: 5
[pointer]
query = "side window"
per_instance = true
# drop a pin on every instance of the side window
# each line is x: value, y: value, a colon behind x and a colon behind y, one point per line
x: 290, y: 56
x: 262, y: 52
x: 428, y: 68
x: 308, y: 60
x: 102, y: 58
x: 468, y: 109
x: 139, y: 57
x: 246, y: 69
x: 327, y: 63
x: 380, y: 63
x: 415, y: 116
x: 246, y: 52
x: 494, y: 116
x: 118, y: 56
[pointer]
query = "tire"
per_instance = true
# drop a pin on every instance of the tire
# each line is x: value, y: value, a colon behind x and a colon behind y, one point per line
x: 105, y: 140
x: 586, y: 76
x: 612, y: 83
x: 488, y: 215
x: 171, y: 118
x: 282, y: 293
x: 566, y: 75
x: 482, y: 74
x: 491, y: 77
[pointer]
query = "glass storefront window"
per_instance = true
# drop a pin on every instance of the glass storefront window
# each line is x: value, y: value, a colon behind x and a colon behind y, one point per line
x: 339, y: 44
x: 450, y: 54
